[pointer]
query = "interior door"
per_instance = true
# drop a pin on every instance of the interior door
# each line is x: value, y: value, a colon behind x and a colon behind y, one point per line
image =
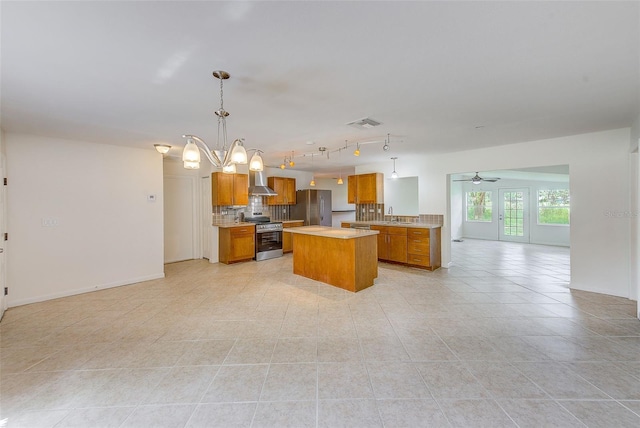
x: 179, y: 218
x: 3, y: 243
x: 513, y: 215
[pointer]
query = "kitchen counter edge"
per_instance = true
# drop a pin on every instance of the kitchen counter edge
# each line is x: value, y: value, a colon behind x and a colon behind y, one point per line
x: 392, y: 224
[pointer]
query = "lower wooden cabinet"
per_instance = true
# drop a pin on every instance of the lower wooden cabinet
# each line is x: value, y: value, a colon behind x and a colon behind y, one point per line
x: 392, y: 243
x: 237, y: 244
x: 287, y: 239
x: 423, y: 248
x: 413, y: 246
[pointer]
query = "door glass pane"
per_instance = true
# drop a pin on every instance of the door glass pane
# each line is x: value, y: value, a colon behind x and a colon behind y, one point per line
x: 513, y: 214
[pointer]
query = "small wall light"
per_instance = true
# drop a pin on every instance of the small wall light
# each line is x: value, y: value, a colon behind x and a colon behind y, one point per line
x: 162, y: 148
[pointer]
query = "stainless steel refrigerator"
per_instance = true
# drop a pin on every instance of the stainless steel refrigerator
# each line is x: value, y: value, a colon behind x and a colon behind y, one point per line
x: 313, y: 206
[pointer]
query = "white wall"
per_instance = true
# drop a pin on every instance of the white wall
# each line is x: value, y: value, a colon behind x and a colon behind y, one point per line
x: 105, y: 232
x: 634, y: 271
x: 599, y: 185
x: 538, y: 234
x: 456, y: 205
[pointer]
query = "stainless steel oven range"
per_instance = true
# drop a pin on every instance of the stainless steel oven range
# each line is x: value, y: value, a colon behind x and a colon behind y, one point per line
x: 268, y: 237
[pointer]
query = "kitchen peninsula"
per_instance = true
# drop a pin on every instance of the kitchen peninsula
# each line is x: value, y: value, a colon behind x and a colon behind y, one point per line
x: 345, y: 258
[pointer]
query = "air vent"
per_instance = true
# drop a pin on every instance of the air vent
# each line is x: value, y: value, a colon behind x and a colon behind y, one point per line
x: 366, y: 123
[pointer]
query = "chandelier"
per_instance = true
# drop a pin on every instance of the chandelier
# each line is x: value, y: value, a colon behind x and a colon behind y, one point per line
x: 223, y: 156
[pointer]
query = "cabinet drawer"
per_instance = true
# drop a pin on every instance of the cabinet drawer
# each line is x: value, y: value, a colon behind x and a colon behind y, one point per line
x: 418, y: 248
x: 418, y: 233
x: 244, y: 230
x: 382, y: 229
x: 419, y: 260
x: 393, y: 230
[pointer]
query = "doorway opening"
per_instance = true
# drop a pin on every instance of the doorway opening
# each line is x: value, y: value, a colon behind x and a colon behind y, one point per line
x: 526, y: 208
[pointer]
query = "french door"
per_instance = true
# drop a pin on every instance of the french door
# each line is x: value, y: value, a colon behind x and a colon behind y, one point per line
x: 513, y: 215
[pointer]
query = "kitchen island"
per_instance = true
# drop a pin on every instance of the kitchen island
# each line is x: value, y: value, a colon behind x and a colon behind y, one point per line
x: 345, y: 258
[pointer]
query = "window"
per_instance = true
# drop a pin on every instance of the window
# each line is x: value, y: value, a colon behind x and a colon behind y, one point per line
x: 479, y: 206
x: 553, y: 206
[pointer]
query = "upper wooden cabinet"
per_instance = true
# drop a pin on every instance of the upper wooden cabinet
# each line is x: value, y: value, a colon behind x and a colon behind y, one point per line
x: 229, y: 189
x: 285, y: 187
x: 365, y: 189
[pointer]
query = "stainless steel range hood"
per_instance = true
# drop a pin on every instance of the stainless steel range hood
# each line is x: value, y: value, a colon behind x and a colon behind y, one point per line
x: 258, y: 184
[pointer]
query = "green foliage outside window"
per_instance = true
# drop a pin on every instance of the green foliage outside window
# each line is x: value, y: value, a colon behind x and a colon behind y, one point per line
x: 479, y: 207
x: 553, y: 206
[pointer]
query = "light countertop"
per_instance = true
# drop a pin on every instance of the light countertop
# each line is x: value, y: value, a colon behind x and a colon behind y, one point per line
x: 228, y: 225
x: 332, y: 232
x: 396, y: 224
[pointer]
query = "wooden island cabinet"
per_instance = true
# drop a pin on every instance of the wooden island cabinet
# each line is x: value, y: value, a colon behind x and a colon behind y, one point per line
x: 345, y: 258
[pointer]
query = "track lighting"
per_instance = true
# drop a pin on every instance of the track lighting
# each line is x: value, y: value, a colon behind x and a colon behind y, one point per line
x: 386, y: 146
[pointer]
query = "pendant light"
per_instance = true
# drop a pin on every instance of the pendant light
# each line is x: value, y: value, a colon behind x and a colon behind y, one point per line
x: 357, y: 150
x: 256, y: 163
x: 340, y: 151
x: 394, y: 174
x: 313, y: 177
x: 291, y: 162
x: 222, y: 156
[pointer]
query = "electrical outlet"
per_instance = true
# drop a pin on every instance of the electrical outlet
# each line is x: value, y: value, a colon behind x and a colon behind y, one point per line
x: 49, y: 222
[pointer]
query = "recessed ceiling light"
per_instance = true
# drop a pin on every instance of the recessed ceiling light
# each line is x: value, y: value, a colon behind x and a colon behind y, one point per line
x: 309, y: 143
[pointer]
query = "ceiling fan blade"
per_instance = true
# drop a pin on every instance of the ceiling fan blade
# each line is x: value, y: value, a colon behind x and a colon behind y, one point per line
x: 467, y: 179
x: 492, y: 180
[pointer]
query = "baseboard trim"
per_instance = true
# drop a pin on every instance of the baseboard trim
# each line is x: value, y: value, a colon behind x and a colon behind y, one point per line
x: 67, y: 293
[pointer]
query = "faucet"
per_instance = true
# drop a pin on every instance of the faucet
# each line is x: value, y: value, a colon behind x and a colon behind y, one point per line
x: 393, y: 218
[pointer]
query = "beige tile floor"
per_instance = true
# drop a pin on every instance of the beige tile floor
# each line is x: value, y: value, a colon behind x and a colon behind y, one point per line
x: 497, y: 340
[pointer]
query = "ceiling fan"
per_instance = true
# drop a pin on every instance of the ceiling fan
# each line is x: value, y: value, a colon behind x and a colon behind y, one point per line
x: 477, y: 179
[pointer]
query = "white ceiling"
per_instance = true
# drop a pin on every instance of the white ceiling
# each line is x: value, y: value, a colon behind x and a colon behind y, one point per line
x: 440, y: 76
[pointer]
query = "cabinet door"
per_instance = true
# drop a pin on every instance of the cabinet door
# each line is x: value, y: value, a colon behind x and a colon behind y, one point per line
x: 352, y: 187
x: 221, y: 188
x: 241, y: 189
x: 287, y: 238
x: 278, y: 185
x: 382, y: 241
x: 290, y: 191
x: 242, y: 246
x: 367, y: 189
x: 397, y: 248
